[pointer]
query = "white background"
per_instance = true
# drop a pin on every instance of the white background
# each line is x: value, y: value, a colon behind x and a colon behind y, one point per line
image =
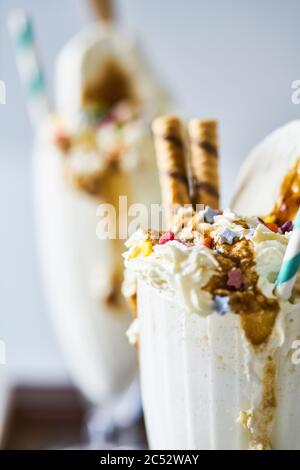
x: 230, y: 59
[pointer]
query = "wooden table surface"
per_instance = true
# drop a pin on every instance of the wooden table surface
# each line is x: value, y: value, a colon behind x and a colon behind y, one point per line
x: 43, y: 418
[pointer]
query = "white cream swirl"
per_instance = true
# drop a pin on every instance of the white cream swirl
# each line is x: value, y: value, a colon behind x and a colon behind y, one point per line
x: 269, y: 249
x: 174, y: 268
x: 182, y: 269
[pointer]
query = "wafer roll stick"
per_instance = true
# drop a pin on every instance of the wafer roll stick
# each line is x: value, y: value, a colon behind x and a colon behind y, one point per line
x: 204, y: 162
x: 170, y: 154
x: 104, y: 9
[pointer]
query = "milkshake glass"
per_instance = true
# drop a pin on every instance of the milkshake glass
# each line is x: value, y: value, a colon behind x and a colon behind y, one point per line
x: 96, y: 148
x: 216, y: 347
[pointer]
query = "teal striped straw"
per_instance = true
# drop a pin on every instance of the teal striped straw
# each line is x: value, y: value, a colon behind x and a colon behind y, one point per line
x: 291, y: 263
x: 31, y: 74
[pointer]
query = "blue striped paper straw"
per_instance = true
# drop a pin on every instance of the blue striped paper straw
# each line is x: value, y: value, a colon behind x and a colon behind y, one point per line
x: 291, y: 263
x: 30, y: 71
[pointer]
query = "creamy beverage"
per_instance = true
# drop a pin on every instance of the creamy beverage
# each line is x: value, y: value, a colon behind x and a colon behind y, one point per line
x: 216, y: 343
x: 96, y: 148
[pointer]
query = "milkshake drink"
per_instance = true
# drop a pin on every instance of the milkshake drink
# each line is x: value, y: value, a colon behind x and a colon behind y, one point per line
x: 96, y: 148
x: 216, y: 345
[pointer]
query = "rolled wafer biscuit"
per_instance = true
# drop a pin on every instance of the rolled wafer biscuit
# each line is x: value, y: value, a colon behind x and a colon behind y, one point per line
x: 204, y: 162
x: 170, y: 154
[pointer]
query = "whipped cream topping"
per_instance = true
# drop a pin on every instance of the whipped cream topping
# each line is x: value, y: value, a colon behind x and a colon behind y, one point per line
x: 113, y: 140
x: 175, y: 268
x: 91, y: 153
x: 89, y: 162
x: 184, y: 267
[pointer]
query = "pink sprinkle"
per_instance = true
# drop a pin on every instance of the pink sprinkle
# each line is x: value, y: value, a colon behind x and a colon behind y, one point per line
x: 235, y: 278
x: 109, y: 119
x: 166, y: 237
x: 62, y: 140
x: 287, y: 226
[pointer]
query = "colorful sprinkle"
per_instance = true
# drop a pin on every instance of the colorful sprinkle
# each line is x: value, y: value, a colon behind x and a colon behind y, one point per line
x: 63, y: 141
x: 269, y: 222
x: 235, y: 278
x: 135, y: 252
x: 107, y: 120
x: 287, y: 226
x: 166, y: 237
x: 270, y: 219
x: 228, y: 236
x: 93, y: 115
x: 207, y: 241
x: 250, y: 233
x: 273, y: 227
x: 146, y: 248
x: 210, y: 214
x: 221, y: 305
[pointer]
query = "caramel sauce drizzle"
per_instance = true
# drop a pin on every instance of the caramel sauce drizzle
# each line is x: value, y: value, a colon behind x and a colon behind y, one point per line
x: 289, y: 196
x: 132, y: 302
x: 257, y: 312
x: 111, y: 85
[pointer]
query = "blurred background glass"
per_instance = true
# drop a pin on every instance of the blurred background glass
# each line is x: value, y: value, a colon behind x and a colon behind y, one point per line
x: 231, y: 60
